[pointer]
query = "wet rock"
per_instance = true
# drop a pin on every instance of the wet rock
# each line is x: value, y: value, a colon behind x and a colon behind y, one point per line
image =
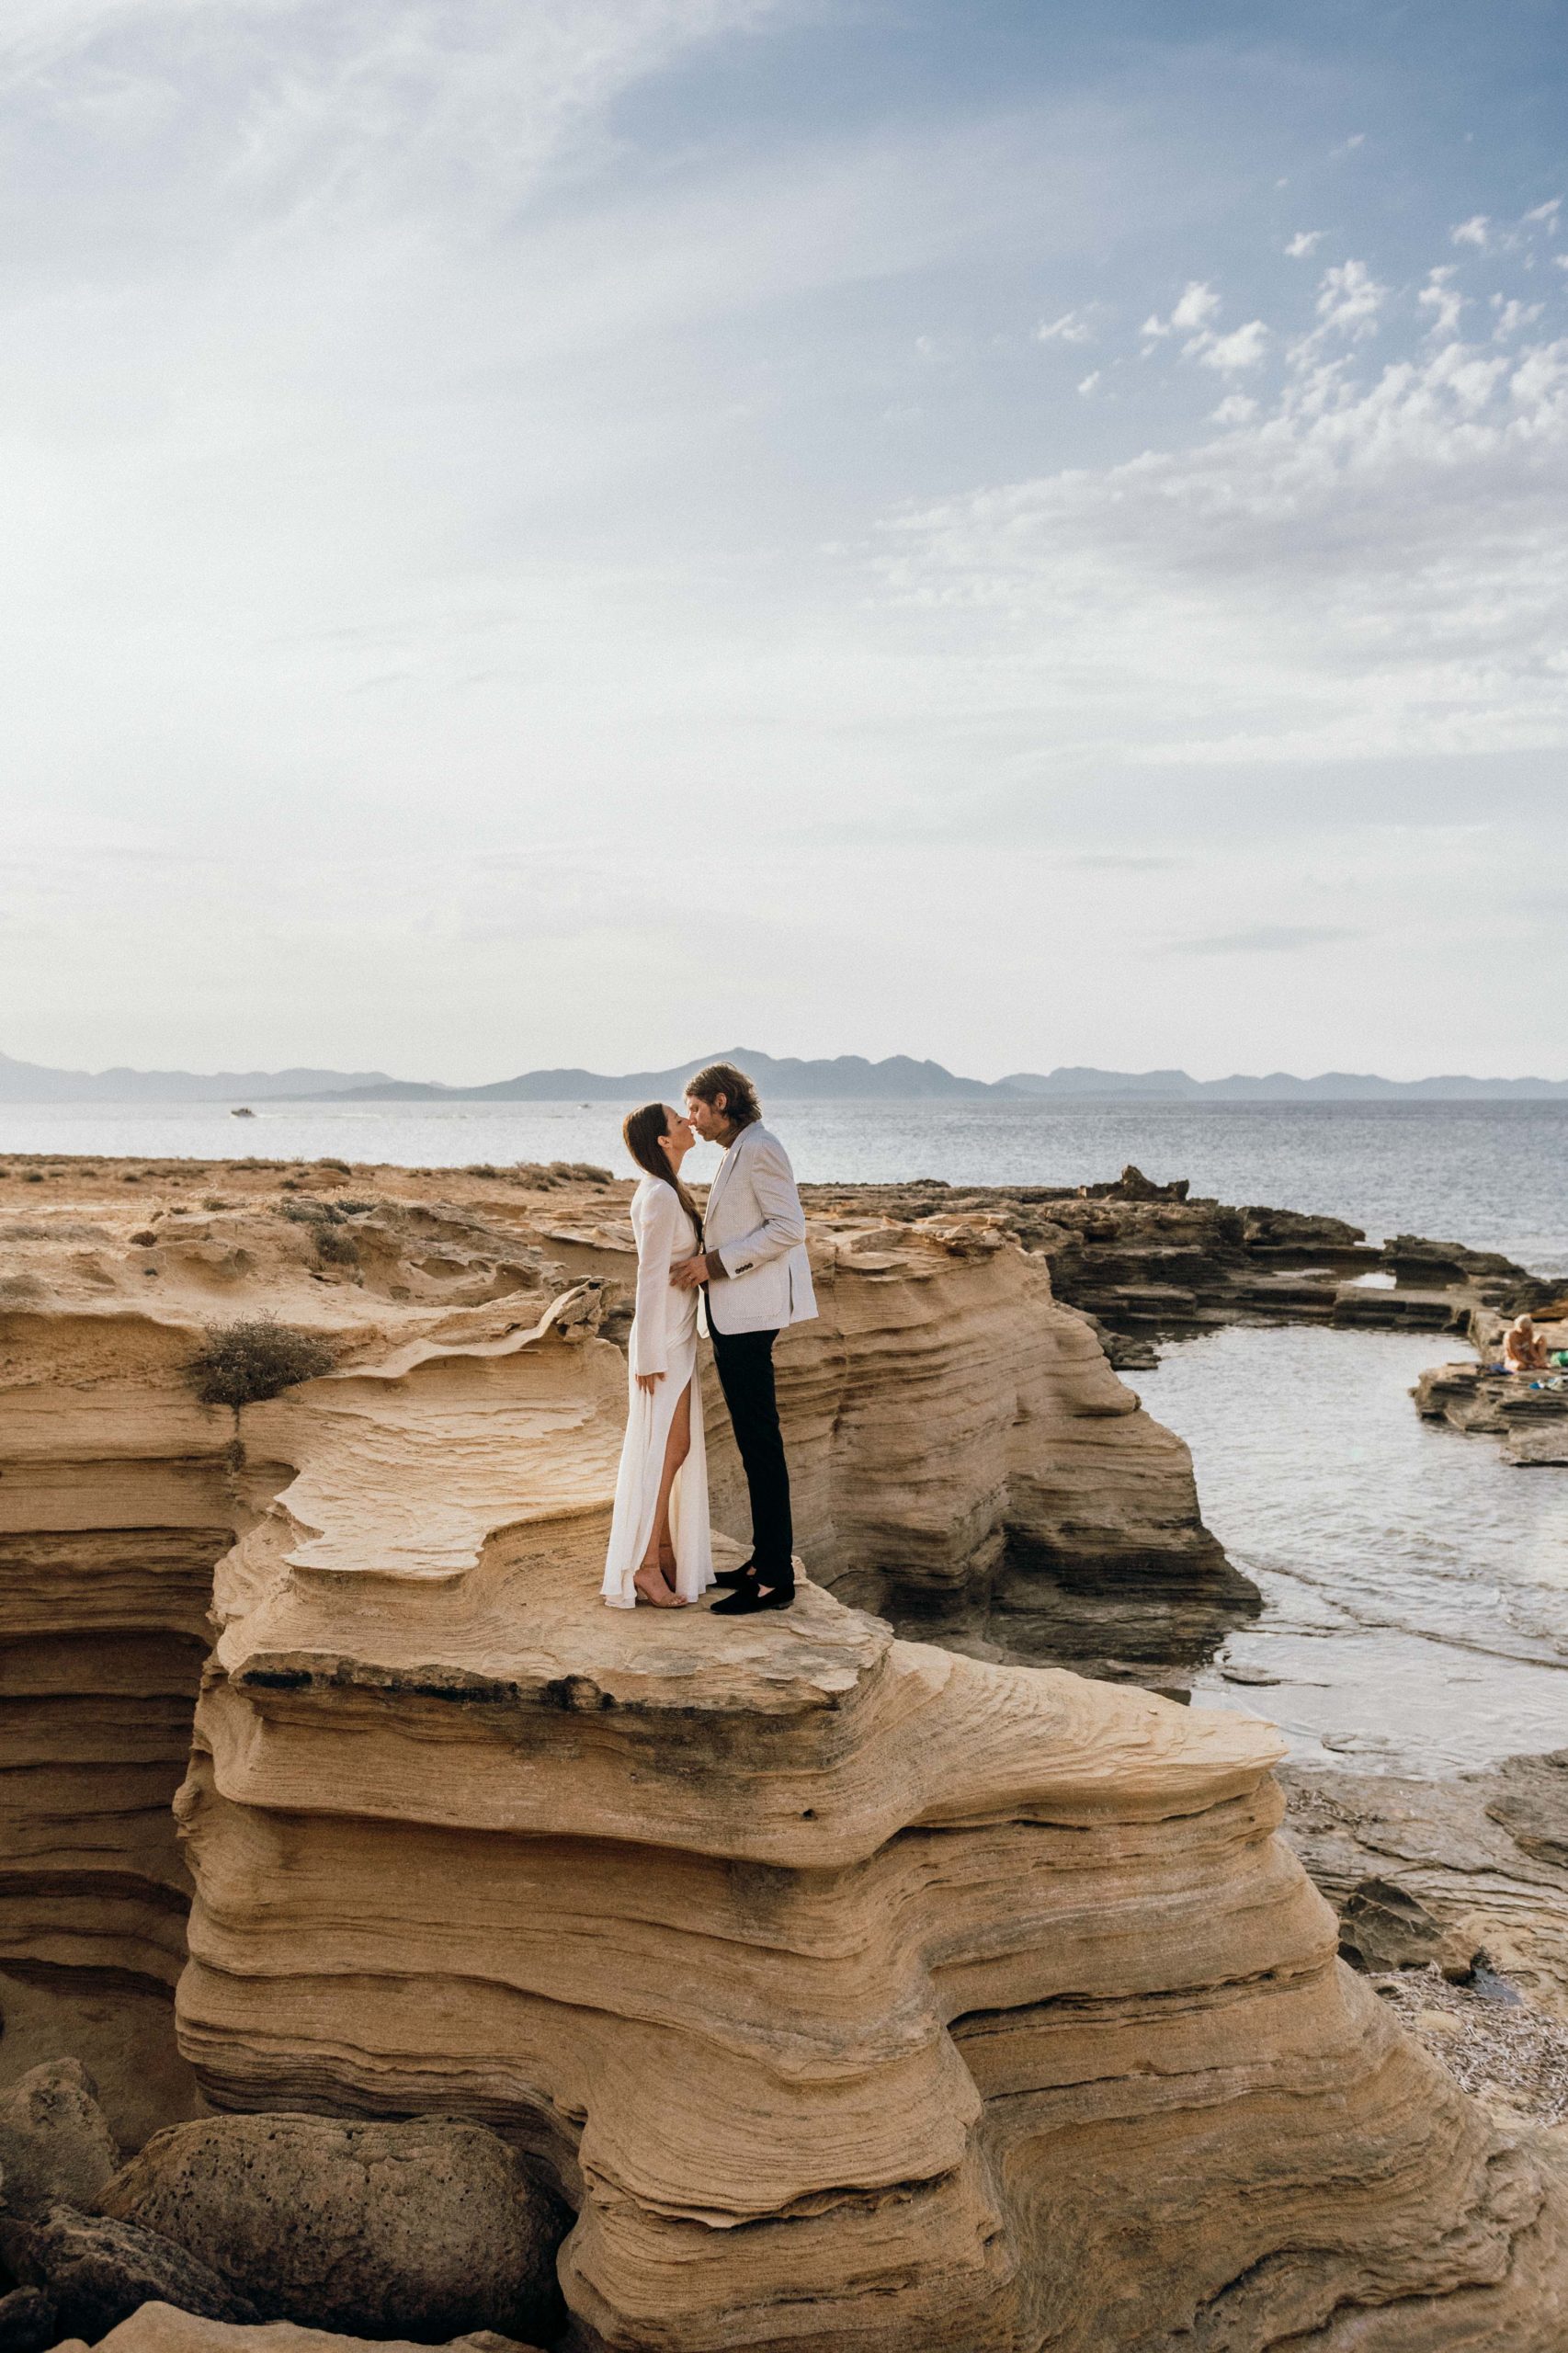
x: 97, y: 2271
x: 55, y: 2142
x: 421, y: 2229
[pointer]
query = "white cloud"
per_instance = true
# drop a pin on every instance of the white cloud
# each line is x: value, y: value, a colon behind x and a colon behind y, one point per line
x: 1305, y: 242
x: 1349, y: 300
x: 1547, y: 212
x: 1089, y: 382
x: 1244, y: 348
x: 1514, y: 317
x: 1236, y: 408
x: 1266, y: 939
x: 1475, y: 232
x: 1360, y: 569
x: 1071, y: 327
x: 1198, y: 305
x: 1443, y: 300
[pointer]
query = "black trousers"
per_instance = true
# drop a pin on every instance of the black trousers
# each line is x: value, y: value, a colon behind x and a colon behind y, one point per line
x: 745, y: 1361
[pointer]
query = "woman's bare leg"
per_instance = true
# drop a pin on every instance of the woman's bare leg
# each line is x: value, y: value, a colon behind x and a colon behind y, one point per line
x: 650, y: 1580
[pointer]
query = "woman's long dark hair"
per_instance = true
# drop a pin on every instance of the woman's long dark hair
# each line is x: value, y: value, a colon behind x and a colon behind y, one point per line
x: 642, y: 1131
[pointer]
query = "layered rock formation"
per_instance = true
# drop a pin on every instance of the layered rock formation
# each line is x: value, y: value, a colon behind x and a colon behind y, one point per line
x: 855, y: 1993
x: 1144, y: 1260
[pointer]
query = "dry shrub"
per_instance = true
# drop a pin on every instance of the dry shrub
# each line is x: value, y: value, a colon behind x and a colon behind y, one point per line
x: 243, y: 1363
x: 335, y: 1248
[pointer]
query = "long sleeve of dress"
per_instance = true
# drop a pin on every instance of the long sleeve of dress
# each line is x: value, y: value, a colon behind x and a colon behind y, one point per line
x: 655, y: 1224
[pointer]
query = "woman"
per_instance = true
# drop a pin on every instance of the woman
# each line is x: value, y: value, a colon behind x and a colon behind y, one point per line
x: 659, y: 1546
x: 1524, y: 1348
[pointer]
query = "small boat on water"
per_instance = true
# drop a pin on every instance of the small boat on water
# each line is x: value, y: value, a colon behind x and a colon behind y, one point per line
x: 241, y: 1112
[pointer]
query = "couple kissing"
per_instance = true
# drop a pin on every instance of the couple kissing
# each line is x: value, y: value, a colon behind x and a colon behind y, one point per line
x: 740, y: 1273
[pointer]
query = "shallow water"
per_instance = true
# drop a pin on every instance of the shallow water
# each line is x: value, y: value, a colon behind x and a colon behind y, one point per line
x: 1416, y: 1583
x: 1493, y: 1174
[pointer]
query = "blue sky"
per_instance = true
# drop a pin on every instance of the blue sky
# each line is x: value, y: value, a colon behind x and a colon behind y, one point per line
x: 581, y: 533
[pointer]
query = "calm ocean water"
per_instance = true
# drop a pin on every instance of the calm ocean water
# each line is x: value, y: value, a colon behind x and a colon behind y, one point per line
x: 1416, y: 1585
x: 1494, y: 1175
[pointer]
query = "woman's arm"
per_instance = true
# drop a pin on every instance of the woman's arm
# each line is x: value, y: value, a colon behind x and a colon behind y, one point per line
x: 654, y: 1227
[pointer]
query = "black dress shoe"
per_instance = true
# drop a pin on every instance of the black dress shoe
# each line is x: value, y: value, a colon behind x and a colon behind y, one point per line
x: 749, y: 1598
x: 742, y: 1575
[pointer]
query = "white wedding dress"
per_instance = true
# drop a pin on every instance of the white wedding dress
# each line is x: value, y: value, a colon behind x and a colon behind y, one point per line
x: 663, y: 1339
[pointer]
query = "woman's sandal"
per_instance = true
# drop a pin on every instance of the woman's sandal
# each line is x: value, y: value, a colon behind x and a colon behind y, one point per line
x: 660, y: 1594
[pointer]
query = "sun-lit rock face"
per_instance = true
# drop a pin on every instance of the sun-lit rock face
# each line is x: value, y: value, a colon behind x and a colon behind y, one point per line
x: 856, y: 1994
x: 859, y: 1995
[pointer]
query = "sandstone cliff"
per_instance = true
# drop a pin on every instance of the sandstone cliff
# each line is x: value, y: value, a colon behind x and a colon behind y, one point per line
x: 855, y: 1993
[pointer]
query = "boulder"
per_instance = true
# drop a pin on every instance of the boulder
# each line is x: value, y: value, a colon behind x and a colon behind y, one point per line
x: 1384, y: 1927
x: 160, y: 2328
x: 55, y: 2143
x: 28, y: 2321
x: 97, y: 2271
x: 423, y: 2229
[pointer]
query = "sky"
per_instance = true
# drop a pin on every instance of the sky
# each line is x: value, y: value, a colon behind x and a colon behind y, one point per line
x: 601, y: 530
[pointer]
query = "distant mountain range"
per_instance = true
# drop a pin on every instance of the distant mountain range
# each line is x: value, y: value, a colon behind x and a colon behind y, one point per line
x: 846, y: 1078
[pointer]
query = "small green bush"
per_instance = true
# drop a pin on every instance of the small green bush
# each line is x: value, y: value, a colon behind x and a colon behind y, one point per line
x: 341, y: 1165
x: 257, y: 1357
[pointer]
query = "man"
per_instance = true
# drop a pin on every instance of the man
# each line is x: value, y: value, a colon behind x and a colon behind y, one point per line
x: 758, y: 1280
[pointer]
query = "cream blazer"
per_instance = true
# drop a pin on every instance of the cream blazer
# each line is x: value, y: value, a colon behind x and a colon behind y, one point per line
x: 754, y: 1223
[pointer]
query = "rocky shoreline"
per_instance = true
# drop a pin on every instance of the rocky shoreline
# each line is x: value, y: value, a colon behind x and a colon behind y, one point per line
x: 792, y: 1982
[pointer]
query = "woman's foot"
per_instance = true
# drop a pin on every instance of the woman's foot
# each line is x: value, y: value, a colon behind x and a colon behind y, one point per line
x: 649, y: 1582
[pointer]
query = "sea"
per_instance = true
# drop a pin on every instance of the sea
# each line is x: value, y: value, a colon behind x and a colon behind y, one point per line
x: 1416, y: 1583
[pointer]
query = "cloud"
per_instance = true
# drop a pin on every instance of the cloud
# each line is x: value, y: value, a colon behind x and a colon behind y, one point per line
x: 1198, y: 305
x: 1443, y: 300
x: 1265, y: 940
x: 1546, y: 213
x: 1513, y: 316
x: 1349, y: 300
x: 1474, y: 232
x: 1305, y: 242
x: 1116, y: 862
x: 1369, y: 565
x: 1071, y: 327
x: 1244, y: 348
x: 1236, y: 408
x: 1088, y: 382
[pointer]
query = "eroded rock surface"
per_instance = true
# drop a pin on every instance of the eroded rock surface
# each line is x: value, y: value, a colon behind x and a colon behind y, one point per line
x: 1443, y: 1871
x: 161, y: 2328
x: 856, y: 1994
x: 429, y: 2229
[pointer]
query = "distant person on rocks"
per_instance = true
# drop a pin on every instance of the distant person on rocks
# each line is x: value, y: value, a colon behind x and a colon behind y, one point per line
x: 659, y: 1544
x: 756, y: 1279
x: 1524, y: 1350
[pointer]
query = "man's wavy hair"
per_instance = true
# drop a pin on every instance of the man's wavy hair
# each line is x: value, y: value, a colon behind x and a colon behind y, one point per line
x: 741, y: 1106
